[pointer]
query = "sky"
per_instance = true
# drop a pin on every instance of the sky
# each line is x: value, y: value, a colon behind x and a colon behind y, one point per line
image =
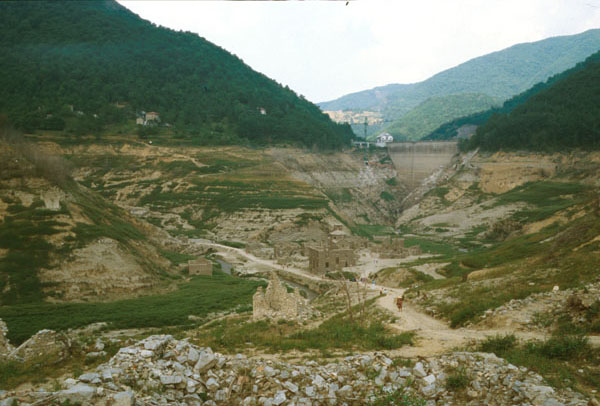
x: 326, y: 49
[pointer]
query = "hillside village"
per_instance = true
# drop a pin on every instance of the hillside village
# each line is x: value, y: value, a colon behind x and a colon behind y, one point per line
x: 234, y: 244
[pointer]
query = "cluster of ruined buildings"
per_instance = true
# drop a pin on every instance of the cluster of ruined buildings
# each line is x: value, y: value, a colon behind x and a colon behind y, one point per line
x: 339, y: 250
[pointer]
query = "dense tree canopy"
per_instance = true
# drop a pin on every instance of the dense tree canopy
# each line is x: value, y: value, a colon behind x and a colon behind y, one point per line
x: 83, y: 65
x: 449, y: 130
x: 563, y: 113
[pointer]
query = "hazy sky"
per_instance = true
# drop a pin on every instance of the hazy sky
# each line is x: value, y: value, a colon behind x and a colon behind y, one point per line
x: 325, y: 49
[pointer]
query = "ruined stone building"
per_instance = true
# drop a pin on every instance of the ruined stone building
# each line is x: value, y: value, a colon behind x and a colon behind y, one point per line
x: 200, y: 266
x: 332, y: 256
x: 393, y: 247
x: 276, y: 303
x: 283, y: 251
x: 325, y: 259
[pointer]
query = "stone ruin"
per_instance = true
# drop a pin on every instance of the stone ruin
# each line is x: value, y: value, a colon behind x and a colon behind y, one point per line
x: 276, y: 303
x: 46, y: 345
x: 393, y: 247
x: 331, y: 256
x: 200, y: 266
x: 5, y: 347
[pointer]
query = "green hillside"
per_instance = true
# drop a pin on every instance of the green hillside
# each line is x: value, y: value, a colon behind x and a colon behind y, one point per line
x: 499, y: 75
x: 449, y: 129
x: 435, y: 111
x: 564, y: 115
x: 90, y: 67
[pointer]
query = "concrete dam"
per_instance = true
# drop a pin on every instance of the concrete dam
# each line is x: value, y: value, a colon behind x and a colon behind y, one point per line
x: 415, y: 161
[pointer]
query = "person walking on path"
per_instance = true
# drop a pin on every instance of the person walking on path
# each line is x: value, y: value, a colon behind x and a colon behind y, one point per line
x: 399, y: 301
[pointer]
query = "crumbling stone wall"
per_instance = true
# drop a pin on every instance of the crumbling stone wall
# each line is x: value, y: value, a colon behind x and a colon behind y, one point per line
x: 275, y: 302
x: 5, y: 347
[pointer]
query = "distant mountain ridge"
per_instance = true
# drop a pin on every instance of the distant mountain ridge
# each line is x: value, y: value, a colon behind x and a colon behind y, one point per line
x: 89, y: 67
x: 500, y: 74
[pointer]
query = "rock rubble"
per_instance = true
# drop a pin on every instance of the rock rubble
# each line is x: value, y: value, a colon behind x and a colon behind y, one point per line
x: 160, y: 370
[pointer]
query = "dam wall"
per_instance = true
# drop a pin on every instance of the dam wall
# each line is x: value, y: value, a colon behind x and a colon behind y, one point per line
x: 415, y: 161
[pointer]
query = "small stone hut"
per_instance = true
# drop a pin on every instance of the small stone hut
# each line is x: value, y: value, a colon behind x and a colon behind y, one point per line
x: 200, y: 266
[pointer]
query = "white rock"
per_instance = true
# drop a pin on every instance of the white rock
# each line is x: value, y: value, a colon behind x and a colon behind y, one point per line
x: 428, y: 390
x: 125, y: 398
x: 193, y: 355
x: 89, y: 377
x: 221, y: 395
x: 429, y: 379
x: 279, y: 398
x: 205, y: 361
x: 212, y: 384
x: 269, y: 371
x: 171, y: 379
x: 318, y: 381
x: 310, y: 391
x: 345, y: 391
x: 79, y: 393
x: 147, y: 353
x: 419, y: 371
x: 291, y: 386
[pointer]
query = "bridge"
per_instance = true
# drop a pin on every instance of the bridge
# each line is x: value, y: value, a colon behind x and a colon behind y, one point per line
x: 415, y: 161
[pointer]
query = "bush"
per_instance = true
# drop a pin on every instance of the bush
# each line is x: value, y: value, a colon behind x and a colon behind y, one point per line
x: 396, y: 398
x: 498, y: 344
x: 457, y: 380
x: 563, y: 347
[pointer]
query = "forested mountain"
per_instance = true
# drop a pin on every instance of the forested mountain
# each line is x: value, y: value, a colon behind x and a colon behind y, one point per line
x: 83, y: 67
x: 435, y: 111
x: 561, y: 114
x: 499, y: 75
x: 450, y: 129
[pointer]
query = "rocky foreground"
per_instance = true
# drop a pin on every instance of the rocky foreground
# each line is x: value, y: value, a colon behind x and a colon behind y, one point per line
x: 161, y: 370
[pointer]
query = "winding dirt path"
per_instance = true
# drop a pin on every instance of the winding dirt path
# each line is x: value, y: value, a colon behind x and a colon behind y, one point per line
x: 433, y: 336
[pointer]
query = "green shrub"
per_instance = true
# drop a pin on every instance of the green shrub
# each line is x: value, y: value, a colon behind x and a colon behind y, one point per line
x: 397, y: 398
x: 457, y: 380
x: 498, y: 344
x: 566, y: 347
x: 388, y: 197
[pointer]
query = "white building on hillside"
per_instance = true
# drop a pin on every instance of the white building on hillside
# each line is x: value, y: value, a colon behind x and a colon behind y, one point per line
x: 383, y: 139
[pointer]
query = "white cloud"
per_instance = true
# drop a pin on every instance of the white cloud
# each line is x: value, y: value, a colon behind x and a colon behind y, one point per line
x: 324, y: 49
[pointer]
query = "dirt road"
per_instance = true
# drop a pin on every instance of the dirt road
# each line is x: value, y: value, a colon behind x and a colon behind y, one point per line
x: 433, y: 336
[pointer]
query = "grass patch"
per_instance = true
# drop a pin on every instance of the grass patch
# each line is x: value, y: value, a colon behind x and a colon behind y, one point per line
x: 200, y: 296
x: 457, y: 379
x: 547, y: 198
x: 177, y: 258
x: 343, y: 196
x: 392, y: 182
x: 334, y: 333
x: 387, y: 196
x: 559, y: 359
x: 397, y: 398
x: 23, y: 232
x: 233, y: 244
x: 430, y: 246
